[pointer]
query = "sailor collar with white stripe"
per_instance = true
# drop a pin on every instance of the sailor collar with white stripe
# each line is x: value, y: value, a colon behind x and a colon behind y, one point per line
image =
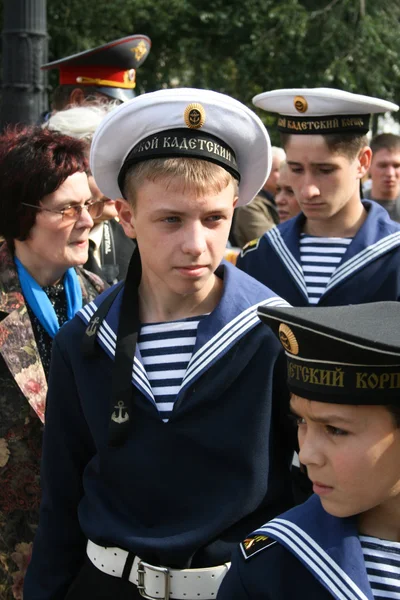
x: 370, y: 243
x: 327, y: 546
x: 225, y: 326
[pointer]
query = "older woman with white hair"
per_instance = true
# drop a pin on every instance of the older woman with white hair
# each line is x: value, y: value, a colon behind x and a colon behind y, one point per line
x: 110, y: 249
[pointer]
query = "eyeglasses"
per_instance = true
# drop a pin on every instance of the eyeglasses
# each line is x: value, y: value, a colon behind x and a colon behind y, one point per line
x: 73, y: 213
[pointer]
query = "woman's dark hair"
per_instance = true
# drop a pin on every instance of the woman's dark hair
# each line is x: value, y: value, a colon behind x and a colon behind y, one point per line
x: 394, y: 410
x: 34, y: 162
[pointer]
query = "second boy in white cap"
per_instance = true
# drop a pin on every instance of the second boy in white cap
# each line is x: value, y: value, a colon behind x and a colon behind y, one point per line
x: 166, y: 438
x: 339, y: 250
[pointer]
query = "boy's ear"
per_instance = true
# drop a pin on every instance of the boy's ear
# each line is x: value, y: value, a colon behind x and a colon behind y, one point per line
x: 126, y: 217
x: 364, y: 161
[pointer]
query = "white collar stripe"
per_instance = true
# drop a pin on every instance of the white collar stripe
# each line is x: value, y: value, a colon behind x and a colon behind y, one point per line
x: 231, y: 332
x: 305, y: 542
x: 87, y: 312
x: 137, y: 375
x: 228, y: 328
x: 200, y: 366
x: 139, y: 367
x: 363, y: 258
x: 287, y: 257
x: 317, y: 566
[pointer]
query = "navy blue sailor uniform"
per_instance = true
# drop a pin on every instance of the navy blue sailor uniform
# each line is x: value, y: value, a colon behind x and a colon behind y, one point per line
x: 304, y: 553
x: 368, y: 272
x: 181, y: 493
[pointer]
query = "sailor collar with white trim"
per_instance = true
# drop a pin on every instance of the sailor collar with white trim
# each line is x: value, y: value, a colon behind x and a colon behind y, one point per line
x: 218, y: 332
x: 327, y: 546
x: 376, y: 236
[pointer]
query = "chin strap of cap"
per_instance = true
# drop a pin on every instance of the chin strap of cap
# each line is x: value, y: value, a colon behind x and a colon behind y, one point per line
x: 121, y: 399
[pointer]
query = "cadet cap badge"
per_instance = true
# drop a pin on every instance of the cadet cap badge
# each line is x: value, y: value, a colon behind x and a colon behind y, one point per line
x: 300, y: 104
x: 195, y: 116
x: 288, y: 339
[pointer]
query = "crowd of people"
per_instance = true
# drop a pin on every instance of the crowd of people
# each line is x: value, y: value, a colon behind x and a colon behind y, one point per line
x: 173, y: 424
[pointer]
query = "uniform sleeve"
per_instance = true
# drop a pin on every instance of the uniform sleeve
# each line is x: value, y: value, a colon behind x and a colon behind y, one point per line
x: 59, y: 546
x: 232, y: 587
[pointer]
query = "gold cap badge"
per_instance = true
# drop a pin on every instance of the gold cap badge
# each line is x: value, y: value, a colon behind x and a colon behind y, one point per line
x: 300, y: 104
x: 195, y: 116
x: 288, y: 339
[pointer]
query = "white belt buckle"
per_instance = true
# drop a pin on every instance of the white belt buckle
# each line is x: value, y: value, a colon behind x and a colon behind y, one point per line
x: 141, y: 584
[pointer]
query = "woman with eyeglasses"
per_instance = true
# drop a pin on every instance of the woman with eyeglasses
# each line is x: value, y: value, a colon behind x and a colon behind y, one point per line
x: 46, y: 213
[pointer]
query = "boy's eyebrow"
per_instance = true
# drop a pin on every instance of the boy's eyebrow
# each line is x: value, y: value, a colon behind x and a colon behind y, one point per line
x: 325, y: 419
x: 314, y: 164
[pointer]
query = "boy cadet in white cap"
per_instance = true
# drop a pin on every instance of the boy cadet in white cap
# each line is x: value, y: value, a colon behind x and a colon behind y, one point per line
x: 339, y: 250
x: 152, y: 474
x: 344, y: 542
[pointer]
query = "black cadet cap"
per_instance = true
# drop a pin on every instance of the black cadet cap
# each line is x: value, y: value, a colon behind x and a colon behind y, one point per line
x: 341, y: 354
x: 109, y: 69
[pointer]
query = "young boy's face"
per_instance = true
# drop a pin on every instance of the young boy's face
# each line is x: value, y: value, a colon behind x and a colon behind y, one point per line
x: 323, y: 182
x: 181, y: 237
x: 351, y: 454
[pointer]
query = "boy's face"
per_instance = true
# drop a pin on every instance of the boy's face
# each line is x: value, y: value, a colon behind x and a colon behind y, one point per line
x: 181, y: 237
x: 351, y: 454
x: 385, y: 174
x: 323, y: 182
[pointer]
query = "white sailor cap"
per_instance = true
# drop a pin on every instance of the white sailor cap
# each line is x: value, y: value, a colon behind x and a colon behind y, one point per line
x: 182, y: 123
x: 321, y: 110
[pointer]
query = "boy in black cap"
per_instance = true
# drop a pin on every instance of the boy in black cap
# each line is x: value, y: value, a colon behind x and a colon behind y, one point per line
x: 108, y: 72
x: 344, y: 542
x: 173, y: 404
x: 338, y: 250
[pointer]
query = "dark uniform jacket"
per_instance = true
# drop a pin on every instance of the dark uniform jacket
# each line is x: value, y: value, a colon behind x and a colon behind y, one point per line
x: 304, y: 554
x: 181, y: 493
x: 23, y: 389
x: 369, y: 270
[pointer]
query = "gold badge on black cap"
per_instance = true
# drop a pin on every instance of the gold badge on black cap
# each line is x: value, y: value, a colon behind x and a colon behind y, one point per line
x: 300, y: 104
x: 288, y: 339
x: 195, y: 116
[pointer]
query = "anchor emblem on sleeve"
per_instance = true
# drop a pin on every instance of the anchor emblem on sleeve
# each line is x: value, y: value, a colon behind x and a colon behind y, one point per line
x: 120, y: 418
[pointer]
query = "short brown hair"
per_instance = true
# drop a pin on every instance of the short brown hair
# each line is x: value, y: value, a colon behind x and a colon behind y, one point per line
x: 194, y: 174
x: 387, y: 141
x: 347, y: 144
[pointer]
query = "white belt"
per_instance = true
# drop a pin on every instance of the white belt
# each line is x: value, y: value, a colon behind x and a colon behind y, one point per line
x: 159, y: 582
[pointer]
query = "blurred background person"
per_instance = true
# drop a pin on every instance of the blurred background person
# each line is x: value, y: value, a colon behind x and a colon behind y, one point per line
x: 47, y: 211
x: 384, y: 173
x: 252, y: 221
x: 105, y: 73
x: 110, y: 250
x: 285, y: 200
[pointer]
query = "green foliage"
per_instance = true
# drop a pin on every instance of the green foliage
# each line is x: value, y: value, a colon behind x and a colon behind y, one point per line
x: 243, y: 48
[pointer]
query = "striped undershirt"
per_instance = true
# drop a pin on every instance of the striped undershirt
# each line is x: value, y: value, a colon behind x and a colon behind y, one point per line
x: 166, y: 350
x: 320, y: 257
x: 382, y: 561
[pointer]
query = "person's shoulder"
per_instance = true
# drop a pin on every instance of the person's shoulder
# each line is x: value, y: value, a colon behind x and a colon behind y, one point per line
x: 90, y: 280
x: 379, y: 217
x: 248, y: 289
x: 76, y: 327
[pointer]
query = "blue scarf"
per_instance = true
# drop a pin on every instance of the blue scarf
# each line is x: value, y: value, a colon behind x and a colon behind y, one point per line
x: 40, y: 304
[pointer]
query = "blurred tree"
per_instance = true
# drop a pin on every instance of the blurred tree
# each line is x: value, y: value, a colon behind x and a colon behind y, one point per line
x: 243, y: 48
